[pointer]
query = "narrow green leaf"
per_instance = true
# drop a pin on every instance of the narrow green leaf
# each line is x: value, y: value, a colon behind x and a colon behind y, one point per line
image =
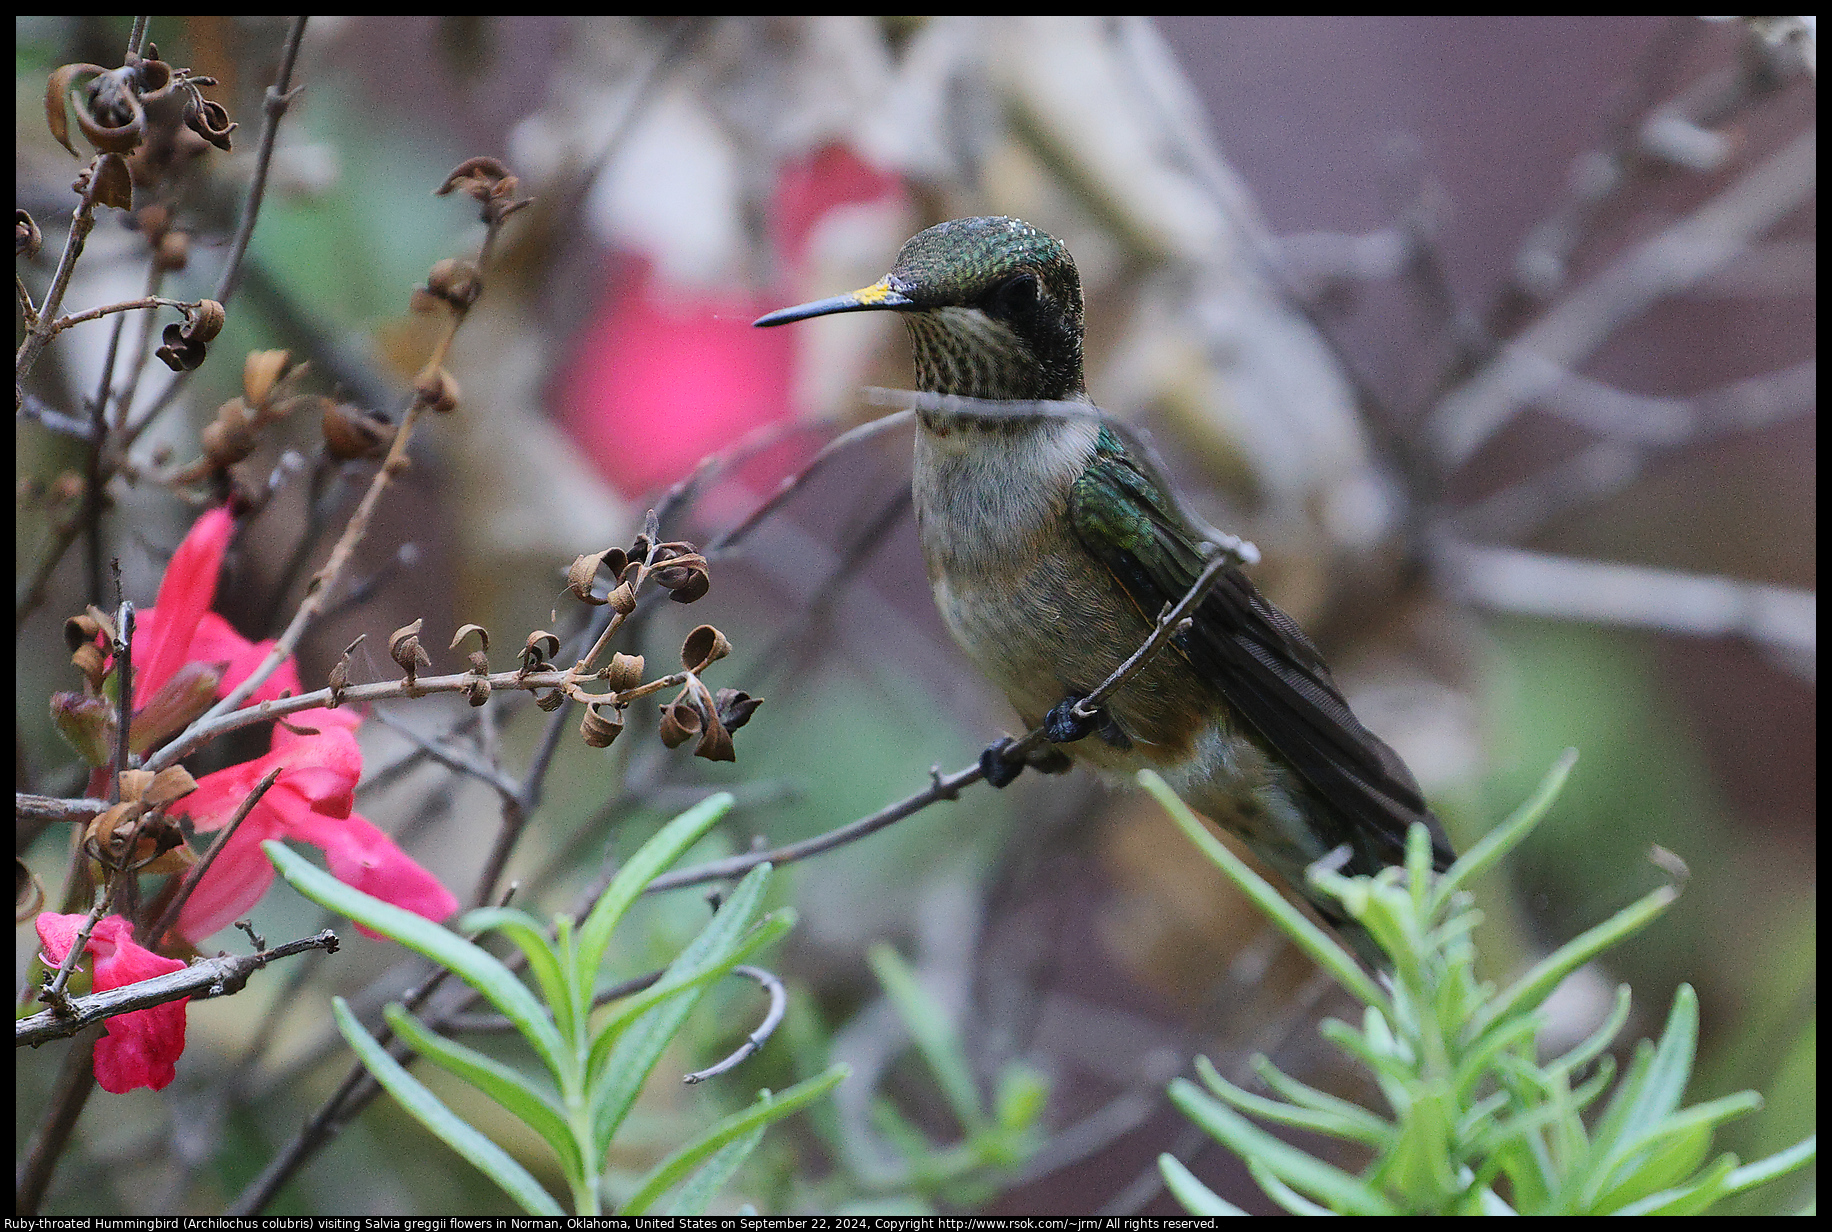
x: 767, y: 1110
x: 1322, y: 949
x: 1531, y: 989
x: 1293, y: 1091
x: 1666, y: 1153
x: 1761, y: 1171
x: 1197, y: 1198
x: 1344, y: 1193
x: 470, y: 963
x: 1022, y: 1096
x: 1489, y: 849
x: 500, y: 1082
x: 704, y: 1185
x: 530, y: 937
x: 426, y: 1108
x: 933, y: 1034
x: 1358, y: 1125
x: 649, y: 862
x: 1693, y: 1198
x: 1290, y: 1199
x: 1656, y: 1085
x: 612, y: 1089
x: 768, y: 931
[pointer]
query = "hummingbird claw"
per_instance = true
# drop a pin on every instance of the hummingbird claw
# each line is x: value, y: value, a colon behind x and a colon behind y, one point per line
x: 999, y: 769
x: 1065, y: 724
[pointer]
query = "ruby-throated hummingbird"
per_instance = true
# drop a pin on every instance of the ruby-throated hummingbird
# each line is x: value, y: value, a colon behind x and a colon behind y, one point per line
x: 1052, y: 545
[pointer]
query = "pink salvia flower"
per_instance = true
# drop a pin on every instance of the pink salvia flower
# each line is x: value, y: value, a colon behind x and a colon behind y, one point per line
x: 141, y: 1049
x: 319, y: 760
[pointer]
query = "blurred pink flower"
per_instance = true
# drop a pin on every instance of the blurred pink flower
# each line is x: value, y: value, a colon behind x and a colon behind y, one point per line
x: 662, y: 376
x: 140, y: 1049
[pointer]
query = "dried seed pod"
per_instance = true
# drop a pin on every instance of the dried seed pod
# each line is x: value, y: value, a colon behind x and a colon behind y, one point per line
x: 600, y: 728
x: 27, y: 239
x: 229, y: 437
x: 625, y: 672
x: 680, y: 723
x: 351, y: 433
x: 404, y: 648
x: 582, y: 573
x: 538, y: 651
x: 455, y: 281
x: 703, y: 647
x: 209, y: 120
x: 111, y: 184
x: 735, y: 707
x: 184, y: 347
x: 436, y: 390
x: 261, y: 372
x: 682, y: 572
x: 85, y: 628
x: 715, y: 742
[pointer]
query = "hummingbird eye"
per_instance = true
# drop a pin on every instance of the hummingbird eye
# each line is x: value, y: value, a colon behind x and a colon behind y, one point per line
x: 1014, y: 298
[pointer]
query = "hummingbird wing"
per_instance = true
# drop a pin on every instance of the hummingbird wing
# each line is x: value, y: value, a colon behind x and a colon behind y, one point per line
x: 1255, y: 656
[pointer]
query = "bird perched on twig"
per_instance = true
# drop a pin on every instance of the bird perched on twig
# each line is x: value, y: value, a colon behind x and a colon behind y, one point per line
x: 1053, y: 541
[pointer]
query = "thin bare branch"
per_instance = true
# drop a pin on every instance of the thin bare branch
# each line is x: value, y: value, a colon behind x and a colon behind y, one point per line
x: 1566, y: 588
x: 221, y: 976
x: 1541, y: 358
x: 779, y: 1004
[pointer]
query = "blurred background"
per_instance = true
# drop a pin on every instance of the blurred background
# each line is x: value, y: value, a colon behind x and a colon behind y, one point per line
x: 1495, y: 335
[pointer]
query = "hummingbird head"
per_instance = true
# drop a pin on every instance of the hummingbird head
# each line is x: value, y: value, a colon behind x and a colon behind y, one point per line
x: 993, y: 306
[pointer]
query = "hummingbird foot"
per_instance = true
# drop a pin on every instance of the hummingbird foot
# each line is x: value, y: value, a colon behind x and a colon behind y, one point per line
x: 1066, y: 723
x: 999, y: 767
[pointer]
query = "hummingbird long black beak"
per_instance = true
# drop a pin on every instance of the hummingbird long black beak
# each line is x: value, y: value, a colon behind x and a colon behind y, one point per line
x: 880, y: 294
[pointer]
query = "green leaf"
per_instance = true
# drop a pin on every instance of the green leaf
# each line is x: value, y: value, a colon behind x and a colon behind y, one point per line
x: 1761, y: 1171
x: 702, y: 1186
x: 470, y: 963
x: 1692, y: 1198
x: 1347, y: 1121
x: 1344, y: 1193
x: 640, y: 1044
x: 426, y: 1108
x: 767, y: 1110
x: 1293, y: 1091
x: 649, y: 862
x: 1531, y: 989
x: 1197, y: 1198
x: 1667, y: 1153
x: 529, y: 936
x: 1023, y: 1094
x: 1489, y: 849
x: 1653, y: 1087
x: 1294, y: 1202
x: 501, y: 1083
x: 934, y: 1035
